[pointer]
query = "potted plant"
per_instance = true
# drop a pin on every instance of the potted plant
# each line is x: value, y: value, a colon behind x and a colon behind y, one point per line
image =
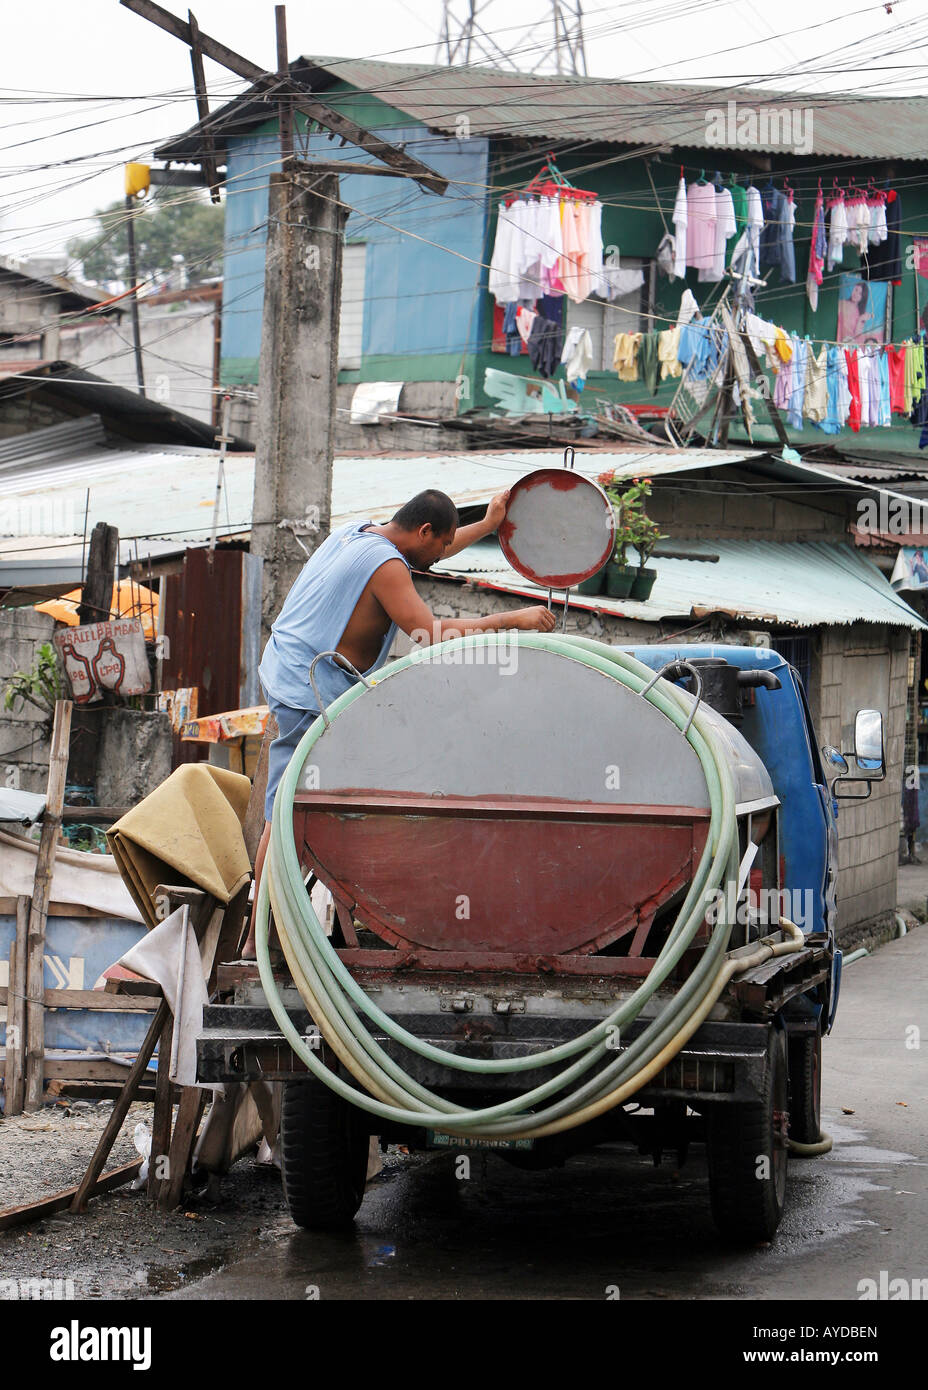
x: 635, y: 529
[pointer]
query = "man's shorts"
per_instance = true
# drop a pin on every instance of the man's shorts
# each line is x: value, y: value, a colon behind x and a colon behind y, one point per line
x: 292, y: 724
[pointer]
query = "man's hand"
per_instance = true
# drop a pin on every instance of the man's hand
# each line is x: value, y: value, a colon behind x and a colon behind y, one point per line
x: 496, y: 511
x: 538, y: 619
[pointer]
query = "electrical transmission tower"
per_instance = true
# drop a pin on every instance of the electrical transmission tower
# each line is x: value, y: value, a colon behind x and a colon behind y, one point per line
x: 466, y: 38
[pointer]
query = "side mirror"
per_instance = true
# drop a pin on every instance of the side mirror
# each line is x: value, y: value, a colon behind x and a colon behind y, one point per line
x: 868, y: 742
x: 834, y: 758
x: 868, y: 754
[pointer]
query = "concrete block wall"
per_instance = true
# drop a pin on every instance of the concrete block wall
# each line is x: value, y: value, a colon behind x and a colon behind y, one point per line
x: 24, y: 749
x: 864, y: 666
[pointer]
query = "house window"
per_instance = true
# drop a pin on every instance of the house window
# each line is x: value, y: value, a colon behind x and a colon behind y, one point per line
x: 351, y: 316
x: 605, y: 319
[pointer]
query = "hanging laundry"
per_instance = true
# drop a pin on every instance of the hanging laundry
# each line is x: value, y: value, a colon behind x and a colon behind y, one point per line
x: 545, y: 343
x: 815, y: 399
x: 885, y: 407
x: 724, y: 228
x: 837, y: 232
x: 839, y: 397
x: 701, y: 345
x: 895, y: 359
x: 513, y: 337
x: 788, y: 271
x: 773, y: 249
x: 914, y: 378
x: 688, y: 308
x: 797, y: 381
x: 745, y: 259
x: 700, y: 225
x: 669, y: 353
x: 649, y: 360
x: 577, y: 356
x: 525, y: 319
x: 853, y: 386
x: 679, y: 230
x: 625, y: 355
x: 616, y: 281
x: 858, y: 221
x: 739, y: 198
x: 817, y: 252
x: 885, y: 260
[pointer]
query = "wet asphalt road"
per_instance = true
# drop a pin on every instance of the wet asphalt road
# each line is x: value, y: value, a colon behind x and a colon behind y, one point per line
x: 610, y: 1222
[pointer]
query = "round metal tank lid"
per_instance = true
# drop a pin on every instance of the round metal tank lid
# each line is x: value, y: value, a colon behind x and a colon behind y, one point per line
x: 559, y: 527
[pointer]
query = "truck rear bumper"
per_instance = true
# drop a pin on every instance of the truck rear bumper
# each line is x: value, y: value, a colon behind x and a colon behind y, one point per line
x: 723, y: 1061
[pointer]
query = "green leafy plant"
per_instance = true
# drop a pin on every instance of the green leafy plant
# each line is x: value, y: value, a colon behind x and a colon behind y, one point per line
x: 633, y: 526
x: 41, y: 686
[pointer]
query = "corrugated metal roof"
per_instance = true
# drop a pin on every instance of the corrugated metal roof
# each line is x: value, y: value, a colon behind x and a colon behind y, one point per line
x: 76, y: 296
x: 55, y: 441
x: 805, y: 584
x: 603, y: 111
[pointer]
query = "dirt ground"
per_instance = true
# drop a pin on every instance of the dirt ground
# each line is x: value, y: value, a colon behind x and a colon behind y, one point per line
x: 122, y: 1247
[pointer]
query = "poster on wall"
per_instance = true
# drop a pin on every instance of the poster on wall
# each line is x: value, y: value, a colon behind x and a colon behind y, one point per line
x: 911, y: 569
x: 104, y: 656
x: 864, y: 309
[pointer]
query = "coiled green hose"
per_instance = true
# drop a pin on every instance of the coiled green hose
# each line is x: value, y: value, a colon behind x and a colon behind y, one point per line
x: 338, y: 1005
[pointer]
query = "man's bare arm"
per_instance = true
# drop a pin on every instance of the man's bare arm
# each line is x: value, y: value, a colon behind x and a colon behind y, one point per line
x: 392, y: 586
x: 466, y: 535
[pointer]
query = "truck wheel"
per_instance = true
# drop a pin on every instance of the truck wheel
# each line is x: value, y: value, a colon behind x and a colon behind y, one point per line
x: 324, y: 1148
x: 805, y: 1087
x: 747, y: 1153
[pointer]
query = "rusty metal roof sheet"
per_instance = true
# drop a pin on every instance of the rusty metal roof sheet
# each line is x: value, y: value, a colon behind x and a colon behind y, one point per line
x: 603, y: 111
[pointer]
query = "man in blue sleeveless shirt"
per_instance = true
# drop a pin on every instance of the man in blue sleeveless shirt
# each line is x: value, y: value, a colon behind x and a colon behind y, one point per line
x: 352, y: 595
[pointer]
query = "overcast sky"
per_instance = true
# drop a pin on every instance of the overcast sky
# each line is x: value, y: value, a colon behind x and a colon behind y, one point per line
x: 93, y: 64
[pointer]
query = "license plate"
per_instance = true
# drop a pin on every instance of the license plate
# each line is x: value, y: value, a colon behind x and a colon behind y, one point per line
x: 437, y: 1139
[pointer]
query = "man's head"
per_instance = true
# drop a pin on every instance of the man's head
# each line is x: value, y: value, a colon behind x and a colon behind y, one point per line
x: 427, y: 523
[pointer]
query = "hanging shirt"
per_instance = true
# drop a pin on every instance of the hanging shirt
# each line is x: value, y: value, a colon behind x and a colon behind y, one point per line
x: 679, y: 231
x: 797, y: 382
x: 771, y: 238
x: 837, y: 234
x: 817, y: 251
x: 839, y: 398
x: 649, y: 361
x: 815, y: 399
x: 724, y: 228
x: 853, y: 386
x: 885, y: 407
x: 624, y: 355
x: 745, y: 259
x: 668, y: 350
x: 577, y: 356
x: 739, y: 198
x: 615, y: 280
x: 700, y: 225
x: 544, y: 346
x: 788, y: 268
x: 895, y: 359
x: 914, y: 375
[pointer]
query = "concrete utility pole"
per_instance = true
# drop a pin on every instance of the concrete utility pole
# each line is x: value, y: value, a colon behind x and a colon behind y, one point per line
x: 297, y: 373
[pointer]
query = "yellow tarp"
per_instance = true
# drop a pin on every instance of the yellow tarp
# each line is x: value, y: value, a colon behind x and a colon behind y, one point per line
x: 188, y: 831
x: 130, y: 600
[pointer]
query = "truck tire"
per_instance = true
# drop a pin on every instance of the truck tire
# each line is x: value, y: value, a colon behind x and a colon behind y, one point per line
x: 324, y: 1149
x: 805, y: 1087
x: 747, y: 1192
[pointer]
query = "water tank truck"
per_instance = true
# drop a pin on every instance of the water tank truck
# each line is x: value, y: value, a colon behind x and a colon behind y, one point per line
x: 581, y: 894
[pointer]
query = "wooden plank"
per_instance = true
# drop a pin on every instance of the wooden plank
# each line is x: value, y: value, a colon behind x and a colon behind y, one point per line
x: 329, y: 119
x: 14, y: 1069
x: 57, y: 909
x: 120, y: 1108
x: 98, y: 999
x: 89, y: 813
x: 163, y: 1113
x: 189, y: 1112
x: 284, y: 105
x: 60, y: 1201
x: 95, y: 1069
x: 210, y: 174
x: 38, y: 913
